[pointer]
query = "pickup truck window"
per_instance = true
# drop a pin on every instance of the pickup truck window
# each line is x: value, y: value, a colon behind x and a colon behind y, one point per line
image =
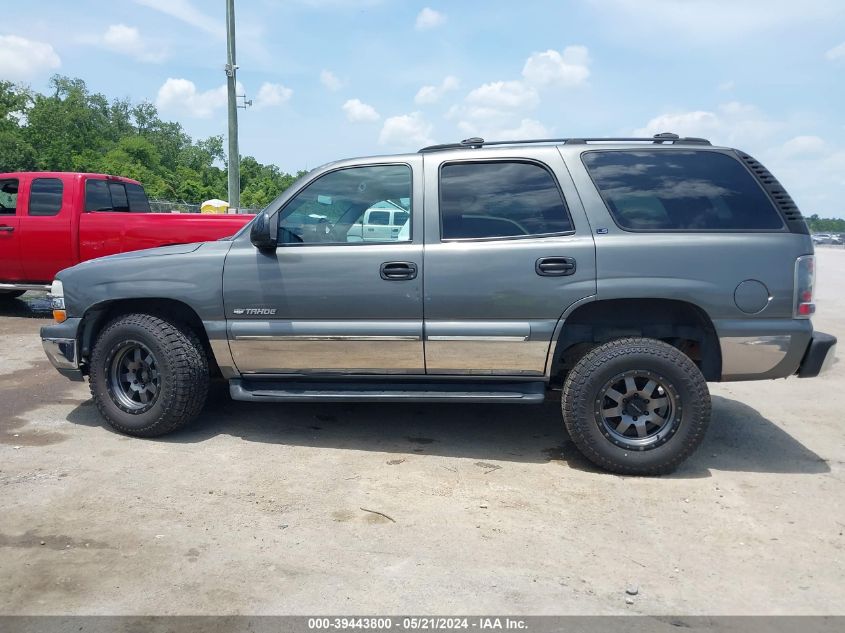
x: 115, y: 196
x: 680, y: 190
x: 97, y: 197
x: 333, y: 209
x: 8, y: 196
x: 138, y: 202
x: 45, y: 196
x: 119, y: 200
x: 500, y: 199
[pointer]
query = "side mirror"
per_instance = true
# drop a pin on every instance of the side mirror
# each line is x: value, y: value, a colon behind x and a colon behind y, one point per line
x: 264, y: 231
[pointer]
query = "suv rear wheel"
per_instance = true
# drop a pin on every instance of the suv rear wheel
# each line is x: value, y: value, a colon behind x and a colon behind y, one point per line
x: 149, y: 376
x: 636, y: 406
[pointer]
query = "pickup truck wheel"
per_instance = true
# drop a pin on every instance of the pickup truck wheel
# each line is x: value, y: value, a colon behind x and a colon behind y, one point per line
x: 148, y: 376
x: 10, y: 294
x: 636, y: 406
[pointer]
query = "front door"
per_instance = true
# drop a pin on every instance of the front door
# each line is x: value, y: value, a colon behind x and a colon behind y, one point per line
x: 47, y: 237
x: 505, y: 257
x: 10, y: 255
x: 325, y: 301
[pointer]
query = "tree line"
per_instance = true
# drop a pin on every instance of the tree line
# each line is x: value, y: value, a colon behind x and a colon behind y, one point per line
x: 74, y: 129
x: 825, y: 225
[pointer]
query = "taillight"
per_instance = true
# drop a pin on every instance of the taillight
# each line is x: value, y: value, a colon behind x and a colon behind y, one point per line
x: 805, y: 277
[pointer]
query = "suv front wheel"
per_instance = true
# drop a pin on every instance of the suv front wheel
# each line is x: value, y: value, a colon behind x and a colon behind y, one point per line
x: 636, y: 406
x: 149, y: 376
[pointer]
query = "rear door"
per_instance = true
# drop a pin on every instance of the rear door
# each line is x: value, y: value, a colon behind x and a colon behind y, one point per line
x: 47, y: 232
x: 103, y: 221
x: 10, y: 256
x: 508, y: 250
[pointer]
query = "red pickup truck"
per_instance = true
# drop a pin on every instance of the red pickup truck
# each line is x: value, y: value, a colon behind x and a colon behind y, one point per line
x: 53, y: 220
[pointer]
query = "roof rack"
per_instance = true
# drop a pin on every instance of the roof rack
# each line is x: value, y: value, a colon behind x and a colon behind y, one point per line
x: 665, y: 137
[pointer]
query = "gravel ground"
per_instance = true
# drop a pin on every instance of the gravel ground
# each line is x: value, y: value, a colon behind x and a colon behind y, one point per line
x: 302, y: 509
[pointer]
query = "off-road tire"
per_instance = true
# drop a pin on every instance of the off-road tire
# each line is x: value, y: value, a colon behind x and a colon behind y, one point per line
x: 5, y: 295
x: 590, y: 374
x: 182, y: 367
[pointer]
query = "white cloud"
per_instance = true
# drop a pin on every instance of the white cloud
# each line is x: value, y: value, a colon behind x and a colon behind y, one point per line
x: 527, y: 129
x: 429, y: 19
x: 186, y: 12
x: 22, y: 59
x: 727, y: 86
x: 270, y: 95
x: 359, y: 112
x: 498, y: 110
x: 406, y: 131
x: 512, y: 95
x: 570, y: 68
x: 729, y: 124
x: 181, y: 96
x: 432, y: 94
x: 127, y: 40
x: 804, y: 146
x: 330, y: 80
x: 836, y: 53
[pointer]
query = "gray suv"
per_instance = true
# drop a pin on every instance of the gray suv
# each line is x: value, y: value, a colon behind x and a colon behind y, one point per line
x: 622, y: 273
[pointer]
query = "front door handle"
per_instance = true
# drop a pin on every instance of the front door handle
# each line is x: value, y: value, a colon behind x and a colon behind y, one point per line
x: 555, y: 266
x: 6, y: 229
x: 398, y: 271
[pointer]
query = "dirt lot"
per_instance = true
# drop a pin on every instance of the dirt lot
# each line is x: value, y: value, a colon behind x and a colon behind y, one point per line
x: 259, y: 509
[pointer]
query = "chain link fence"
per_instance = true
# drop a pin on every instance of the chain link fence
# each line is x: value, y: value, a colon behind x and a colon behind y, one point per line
x: 168, y: 206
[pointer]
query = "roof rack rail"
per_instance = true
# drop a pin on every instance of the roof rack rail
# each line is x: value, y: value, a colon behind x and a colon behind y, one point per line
x: 664, y: 137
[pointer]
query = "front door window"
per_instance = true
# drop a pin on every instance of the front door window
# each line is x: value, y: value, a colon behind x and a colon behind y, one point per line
x: 347, y: 206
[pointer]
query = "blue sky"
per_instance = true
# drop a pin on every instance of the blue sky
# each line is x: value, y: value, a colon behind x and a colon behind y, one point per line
x: 338, y: 78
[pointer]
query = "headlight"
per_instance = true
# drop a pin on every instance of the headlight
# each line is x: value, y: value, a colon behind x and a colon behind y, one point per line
x: 57, y: 298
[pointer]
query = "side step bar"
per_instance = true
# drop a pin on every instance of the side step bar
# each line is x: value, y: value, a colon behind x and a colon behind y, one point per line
x: 433, y: 391
x: 23, y: 286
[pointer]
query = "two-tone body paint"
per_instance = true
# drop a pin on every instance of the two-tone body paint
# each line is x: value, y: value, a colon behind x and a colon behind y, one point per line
x: 476, y: 307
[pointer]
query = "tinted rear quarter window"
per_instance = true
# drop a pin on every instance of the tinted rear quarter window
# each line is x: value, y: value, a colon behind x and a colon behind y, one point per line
x: 138, y: 202
x: 500, y: 199
x: 45, y: 196
x: 680, y: 190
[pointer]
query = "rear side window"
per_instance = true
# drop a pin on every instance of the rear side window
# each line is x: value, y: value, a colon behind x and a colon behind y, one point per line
x: 115, y: 196
x: 97, y: 196
x: 119, y: 201
x: 500, y: 199
x: 45, y: 196
x: 679, y: 190
x: 138, y: 202
x: 8, y: 196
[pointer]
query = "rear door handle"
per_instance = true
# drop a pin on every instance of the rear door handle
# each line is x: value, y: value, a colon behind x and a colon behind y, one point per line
x: 6, y: 229
x: 555, y: 266
x: 398, y: 271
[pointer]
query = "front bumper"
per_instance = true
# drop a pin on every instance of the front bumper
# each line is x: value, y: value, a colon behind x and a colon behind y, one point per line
x: 62, y: 348
x: 820, y: 355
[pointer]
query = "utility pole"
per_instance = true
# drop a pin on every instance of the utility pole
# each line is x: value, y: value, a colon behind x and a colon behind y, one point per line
x: 231, y: 80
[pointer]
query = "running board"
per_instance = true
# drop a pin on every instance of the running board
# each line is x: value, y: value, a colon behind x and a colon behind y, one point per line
x: 435, y: 391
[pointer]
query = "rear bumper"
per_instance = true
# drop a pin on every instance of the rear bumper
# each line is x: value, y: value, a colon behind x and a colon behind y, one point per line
x: 820, y: 355
x: 61, y: 347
